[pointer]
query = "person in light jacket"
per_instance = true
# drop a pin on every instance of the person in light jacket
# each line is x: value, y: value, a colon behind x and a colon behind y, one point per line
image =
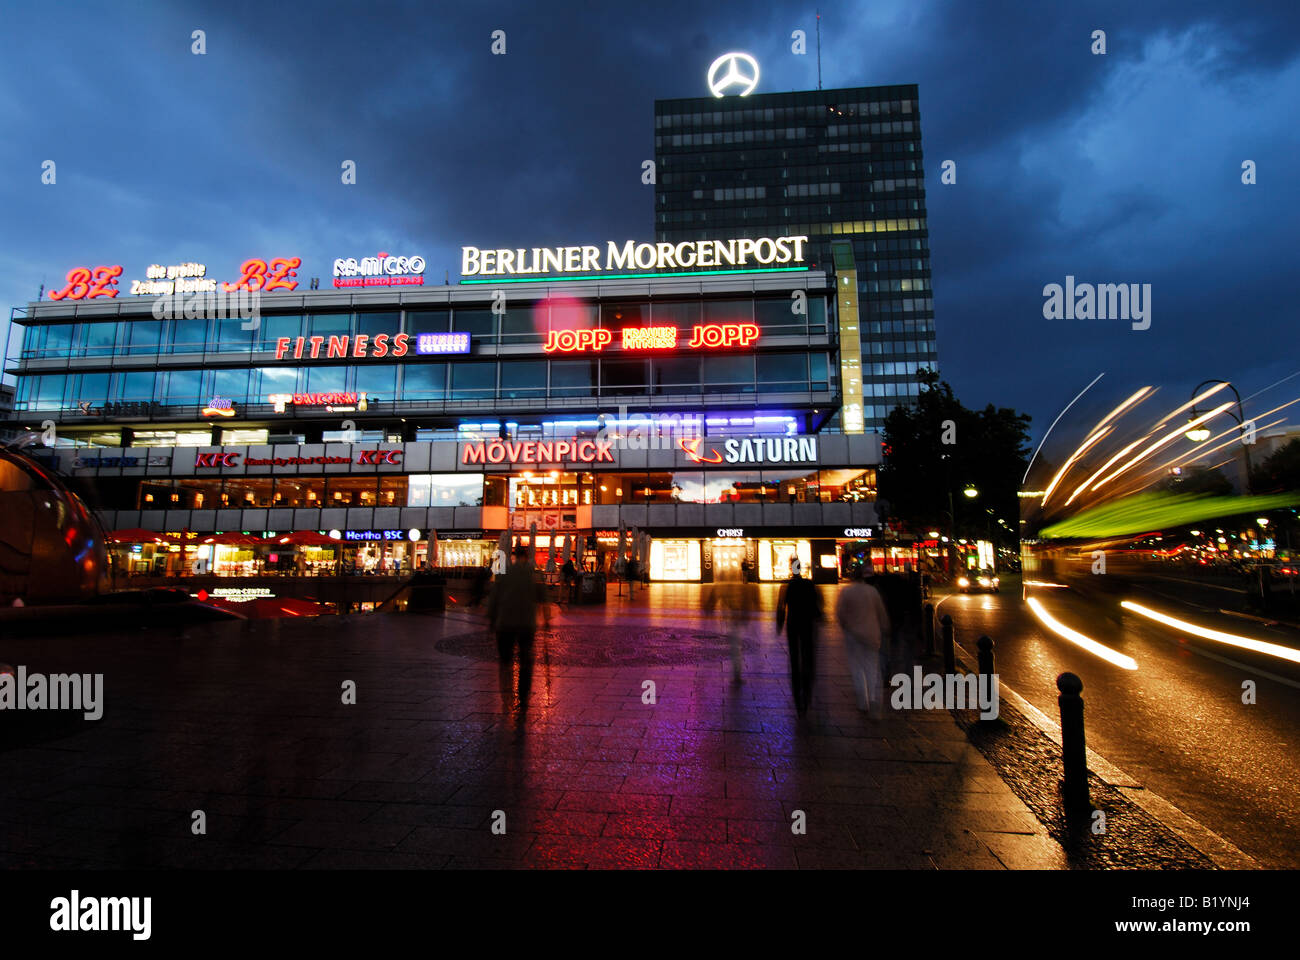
x: 862, y: 616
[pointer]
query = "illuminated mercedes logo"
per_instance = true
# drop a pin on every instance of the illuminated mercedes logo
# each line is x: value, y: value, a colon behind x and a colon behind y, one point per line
x: 741, y: 71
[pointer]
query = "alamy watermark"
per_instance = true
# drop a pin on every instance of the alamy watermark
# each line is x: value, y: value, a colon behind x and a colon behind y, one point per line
x: 245, y: 305
x: 56, y: 691
x: 951, y: 691
x: 1102, y: 301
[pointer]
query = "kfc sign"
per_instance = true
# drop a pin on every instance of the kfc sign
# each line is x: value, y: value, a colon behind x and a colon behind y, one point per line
x: 216, y: 460
x: 380, y: 456
x: 364, y: 457
x: 538, y: 452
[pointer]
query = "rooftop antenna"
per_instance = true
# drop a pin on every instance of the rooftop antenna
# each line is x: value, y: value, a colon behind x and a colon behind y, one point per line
x: 819, y: 49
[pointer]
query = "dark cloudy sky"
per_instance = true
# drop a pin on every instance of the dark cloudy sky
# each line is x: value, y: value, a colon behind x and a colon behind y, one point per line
x: 1117, y: 168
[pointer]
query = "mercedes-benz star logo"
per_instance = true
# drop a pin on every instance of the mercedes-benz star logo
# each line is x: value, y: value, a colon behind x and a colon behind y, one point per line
x: 742, y: 71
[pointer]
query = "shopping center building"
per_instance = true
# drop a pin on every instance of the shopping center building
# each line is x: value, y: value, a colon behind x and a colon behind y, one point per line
x: 576, y: 392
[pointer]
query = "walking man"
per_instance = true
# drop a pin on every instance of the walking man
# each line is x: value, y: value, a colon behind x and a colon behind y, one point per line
x: 799, y: 609
x: 512, y: 611
x: 861, y: 613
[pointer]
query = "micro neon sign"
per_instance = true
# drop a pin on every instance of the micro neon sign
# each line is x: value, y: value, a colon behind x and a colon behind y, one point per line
x: 538, y: 452
x: 379, y: 271
x: 765, y: 252
x: 652, y: 338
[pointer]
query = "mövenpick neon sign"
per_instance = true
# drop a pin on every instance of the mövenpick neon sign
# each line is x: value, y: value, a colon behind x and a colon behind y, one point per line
x: 652, y: 338
x: 764, y: 252
x: 538, y: 452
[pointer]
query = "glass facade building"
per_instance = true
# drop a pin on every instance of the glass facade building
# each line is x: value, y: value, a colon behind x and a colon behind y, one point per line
x: 381, y: 416
x: 834, y: 165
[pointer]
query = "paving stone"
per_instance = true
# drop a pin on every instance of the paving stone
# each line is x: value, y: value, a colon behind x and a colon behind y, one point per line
x: 590, y: 777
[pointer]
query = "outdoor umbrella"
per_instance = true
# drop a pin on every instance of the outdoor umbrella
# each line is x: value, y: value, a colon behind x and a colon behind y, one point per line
x: 635, y: 545
x: 307, y: 538
x: 532, y: 543
x: 578, y: 545
x: 550, y: 557
x: 433, y: 548
x: 622, y: 542
x: 136, y: 535
x: 235, y: 539
x: 568, y: 547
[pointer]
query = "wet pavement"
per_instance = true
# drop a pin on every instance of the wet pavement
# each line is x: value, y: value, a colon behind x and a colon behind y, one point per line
x: 246, y: 723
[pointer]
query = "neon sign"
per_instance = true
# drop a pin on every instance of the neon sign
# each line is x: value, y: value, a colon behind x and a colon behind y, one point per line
x: 379, y: 271
x: 427, y: 343
x: 538, y: 452
x: 765, y: 252
x: 254, y: 275
x: 362, y: 345
x: 219, y: 407
x: 754, y: 450
x: 178, y: 278
x: 692, y: 449
x: 736, y: 76
x: 86, y: 283
x: 652, y: 338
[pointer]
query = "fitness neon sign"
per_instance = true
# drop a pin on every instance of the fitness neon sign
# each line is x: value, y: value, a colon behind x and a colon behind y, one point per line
x: 706, y: 335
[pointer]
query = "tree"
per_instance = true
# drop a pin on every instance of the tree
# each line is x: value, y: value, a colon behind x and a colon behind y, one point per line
x: 938, y: 448
x: 1203, y: 480
x: 1280, y: 472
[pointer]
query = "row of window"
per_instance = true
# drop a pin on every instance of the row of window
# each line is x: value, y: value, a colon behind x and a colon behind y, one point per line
x: 466, y: 380
x: 810, y: 229
x: 526, y: 323
x: 799, y: 153
x: 724, y: 137
x: 782, y: 115
x: 523, y: 490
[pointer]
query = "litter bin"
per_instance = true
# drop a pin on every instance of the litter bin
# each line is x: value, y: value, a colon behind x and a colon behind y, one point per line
x: 428, y: 594
x: 592, y: 588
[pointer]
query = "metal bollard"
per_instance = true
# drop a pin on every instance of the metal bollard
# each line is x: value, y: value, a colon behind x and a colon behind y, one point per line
x: 1074, y: 750
x: 949, y: 654
x: 985, y: 645
x: 927, y: 628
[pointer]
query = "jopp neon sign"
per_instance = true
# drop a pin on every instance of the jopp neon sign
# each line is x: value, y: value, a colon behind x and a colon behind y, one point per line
x: 704, y: 335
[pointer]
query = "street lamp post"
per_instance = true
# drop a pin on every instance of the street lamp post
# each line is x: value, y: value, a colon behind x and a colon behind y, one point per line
x: 1201, y: 433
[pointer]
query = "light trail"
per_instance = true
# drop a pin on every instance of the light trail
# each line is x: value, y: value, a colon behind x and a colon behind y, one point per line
x: 1060, y: 474
x: 1205, y: 633
x: 1163, y: 442
x: 1075, y: 637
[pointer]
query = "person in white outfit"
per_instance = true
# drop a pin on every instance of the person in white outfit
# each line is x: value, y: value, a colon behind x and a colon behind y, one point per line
x: 861, y: 613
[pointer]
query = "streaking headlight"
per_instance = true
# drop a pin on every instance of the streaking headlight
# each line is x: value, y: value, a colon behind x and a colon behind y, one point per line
x: 963, y: 582
x: 984, y: 581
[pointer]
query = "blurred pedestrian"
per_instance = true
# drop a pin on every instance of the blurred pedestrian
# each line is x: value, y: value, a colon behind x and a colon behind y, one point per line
x: 517, y: 597
x: 738, y: 599
x: 799, y: 609
x: 861, y: 613
x: 570, y: 574
x: 482, y: 577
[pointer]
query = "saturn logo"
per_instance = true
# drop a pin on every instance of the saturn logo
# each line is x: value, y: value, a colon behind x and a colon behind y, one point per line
x: 741, y: 70
x: 692, y: 450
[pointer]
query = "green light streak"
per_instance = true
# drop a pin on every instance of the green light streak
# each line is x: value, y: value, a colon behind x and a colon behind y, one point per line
x: 1158, y: 511
x: 644, y: 276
